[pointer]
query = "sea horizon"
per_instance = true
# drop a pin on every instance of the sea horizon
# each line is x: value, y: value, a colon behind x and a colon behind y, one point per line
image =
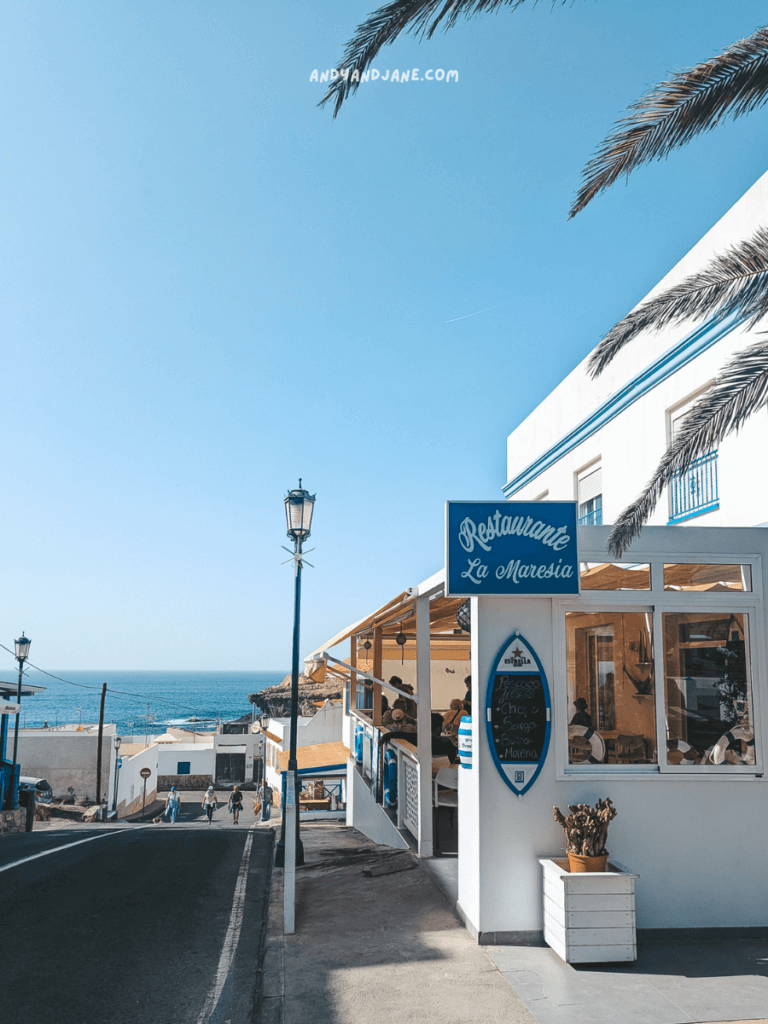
x: 142, y: 700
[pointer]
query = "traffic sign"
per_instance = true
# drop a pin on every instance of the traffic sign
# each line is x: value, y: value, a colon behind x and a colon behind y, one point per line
x: 145, y: 773
x: 119, y: 762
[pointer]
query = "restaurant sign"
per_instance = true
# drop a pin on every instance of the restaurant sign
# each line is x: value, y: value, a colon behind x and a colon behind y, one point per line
x: 511, y: 547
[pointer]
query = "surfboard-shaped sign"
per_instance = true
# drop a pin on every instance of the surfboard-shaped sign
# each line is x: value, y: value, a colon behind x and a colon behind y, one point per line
x: 7, y: 708
x: 518, y: 714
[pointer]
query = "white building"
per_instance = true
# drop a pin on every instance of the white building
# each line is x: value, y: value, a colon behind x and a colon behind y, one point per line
x: 67, y: 756
x: 599, y: 441
x: 324, y: 727
x: 652, y: 649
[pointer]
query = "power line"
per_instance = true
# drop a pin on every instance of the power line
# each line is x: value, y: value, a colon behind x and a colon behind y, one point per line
x: 86, y: 686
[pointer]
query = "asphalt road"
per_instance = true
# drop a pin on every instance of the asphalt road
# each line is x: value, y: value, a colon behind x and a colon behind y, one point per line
x: 158, y: 924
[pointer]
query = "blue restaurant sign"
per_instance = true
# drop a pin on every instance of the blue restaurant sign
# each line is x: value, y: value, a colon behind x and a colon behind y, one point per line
x: 511, y: 547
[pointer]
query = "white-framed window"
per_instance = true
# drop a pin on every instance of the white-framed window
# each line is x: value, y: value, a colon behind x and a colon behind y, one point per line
x: 589, y: 495
x: 665, y: 686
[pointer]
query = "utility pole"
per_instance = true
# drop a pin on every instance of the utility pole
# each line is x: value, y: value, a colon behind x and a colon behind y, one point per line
x: 98, y: 752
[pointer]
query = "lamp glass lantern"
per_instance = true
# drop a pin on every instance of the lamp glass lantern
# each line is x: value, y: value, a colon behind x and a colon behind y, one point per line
x: 264, y: 722
x: 22, y: 648
x: 299, y: 505
x: 118, y: 741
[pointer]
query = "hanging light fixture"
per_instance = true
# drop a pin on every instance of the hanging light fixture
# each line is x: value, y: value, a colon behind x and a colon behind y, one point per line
x: 401, y: 639
x: 463, y: 616
x: 367, y: 645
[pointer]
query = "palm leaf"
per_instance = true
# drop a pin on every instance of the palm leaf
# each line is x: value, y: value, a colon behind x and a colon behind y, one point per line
x: 415, y: 17
x: 685, y: 105
x: 739, y: 391
x: 735, y: 282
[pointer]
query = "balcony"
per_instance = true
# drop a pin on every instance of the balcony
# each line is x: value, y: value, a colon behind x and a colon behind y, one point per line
x: 591, y: 512
x: 694, y: 492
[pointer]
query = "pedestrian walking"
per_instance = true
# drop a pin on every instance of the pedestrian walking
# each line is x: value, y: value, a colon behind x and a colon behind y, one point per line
x: 235, y: 804
x: 172, y: 802
x: 266, y: 801
x: 210, y: 803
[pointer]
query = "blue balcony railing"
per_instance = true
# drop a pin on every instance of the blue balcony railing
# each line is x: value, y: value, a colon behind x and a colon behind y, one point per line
x: 591, y: 516
x: 695, y: 491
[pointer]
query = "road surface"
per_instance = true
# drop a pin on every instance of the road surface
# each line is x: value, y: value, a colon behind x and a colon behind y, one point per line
x: 157, y: 924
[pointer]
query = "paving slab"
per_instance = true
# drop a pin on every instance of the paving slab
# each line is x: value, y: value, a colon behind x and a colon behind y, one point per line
x: 672, y: 982
x: 375, y: 949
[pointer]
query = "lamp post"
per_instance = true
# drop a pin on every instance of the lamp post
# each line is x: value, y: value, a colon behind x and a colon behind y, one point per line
x: 118, y: 741
x: 22, y: 652
x: 299, y: 505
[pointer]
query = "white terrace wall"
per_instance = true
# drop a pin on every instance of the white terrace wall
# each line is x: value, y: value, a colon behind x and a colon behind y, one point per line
x: 68, y: 761
x: 130, y: 786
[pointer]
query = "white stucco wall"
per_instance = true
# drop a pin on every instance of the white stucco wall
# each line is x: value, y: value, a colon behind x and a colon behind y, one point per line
x: 67, y: 759
x: 199, y: 755
x: 130, y: 785
x: 631, y: 444
x: 697, y: 842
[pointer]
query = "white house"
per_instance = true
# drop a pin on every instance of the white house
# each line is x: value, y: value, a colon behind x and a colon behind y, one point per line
x: 67, y: 756
x: 324, y: 727
x: 599, y: 441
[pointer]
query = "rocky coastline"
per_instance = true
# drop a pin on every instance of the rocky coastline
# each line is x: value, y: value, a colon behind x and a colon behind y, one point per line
x: 276, y: 700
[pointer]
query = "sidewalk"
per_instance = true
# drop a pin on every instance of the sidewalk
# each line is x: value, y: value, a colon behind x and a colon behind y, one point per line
x: 377, y: 949
x: 388, y: 948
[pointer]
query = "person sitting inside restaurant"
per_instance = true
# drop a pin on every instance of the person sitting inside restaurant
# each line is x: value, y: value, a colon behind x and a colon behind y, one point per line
x: 410, y: 705
x: 442, y: 746
x: 452, y: 717
x: 582, y: 716
x: 396, y: 718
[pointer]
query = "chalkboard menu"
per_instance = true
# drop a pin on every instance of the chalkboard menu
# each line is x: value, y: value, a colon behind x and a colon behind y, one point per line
x: 518, y: 717
x: 518, y: 714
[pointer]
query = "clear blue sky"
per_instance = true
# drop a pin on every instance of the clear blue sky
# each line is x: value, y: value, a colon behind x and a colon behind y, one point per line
x: 210, y: 288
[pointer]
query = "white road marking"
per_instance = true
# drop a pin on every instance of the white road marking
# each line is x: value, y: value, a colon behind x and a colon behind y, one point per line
x: 68, y: 846
x: 232, y: 937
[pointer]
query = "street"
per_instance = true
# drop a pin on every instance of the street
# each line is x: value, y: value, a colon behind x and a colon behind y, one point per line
x: 158, y: 924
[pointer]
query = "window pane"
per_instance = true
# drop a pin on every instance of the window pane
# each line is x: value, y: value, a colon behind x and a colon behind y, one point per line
x: 708, y: 691
x: 615, y: 576
x: 611, y: 713
x: 707, y: 578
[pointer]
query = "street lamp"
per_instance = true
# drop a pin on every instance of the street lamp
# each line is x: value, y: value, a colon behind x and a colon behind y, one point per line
x: 118, y: 740
x: 299, y: 505
x: 22, y: 653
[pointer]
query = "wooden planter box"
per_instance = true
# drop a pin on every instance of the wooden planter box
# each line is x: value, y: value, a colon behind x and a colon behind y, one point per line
x: 589, y: 918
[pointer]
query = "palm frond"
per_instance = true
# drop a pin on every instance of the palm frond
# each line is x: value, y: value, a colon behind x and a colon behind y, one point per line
x: 735, y: 282
x: 739, y: 392
x: 673, y: 112
x: 415, y: 17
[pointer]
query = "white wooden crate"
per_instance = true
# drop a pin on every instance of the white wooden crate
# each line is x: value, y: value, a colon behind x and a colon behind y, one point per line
x: 590, y: 917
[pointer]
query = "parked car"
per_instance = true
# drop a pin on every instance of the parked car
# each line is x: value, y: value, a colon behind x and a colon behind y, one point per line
x: 42, y: 789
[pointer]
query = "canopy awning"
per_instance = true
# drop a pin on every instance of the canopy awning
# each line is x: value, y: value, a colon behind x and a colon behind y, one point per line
x: 399, y: 616
x: 11, y: 689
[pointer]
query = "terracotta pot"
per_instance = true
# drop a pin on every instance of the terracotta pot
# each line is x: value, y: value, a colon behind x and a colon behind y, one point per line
x: 579, y: 864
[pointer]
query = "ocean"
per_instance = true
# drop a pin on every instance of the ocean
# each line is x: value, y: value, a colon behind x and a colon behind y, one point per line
x: 169, y: 698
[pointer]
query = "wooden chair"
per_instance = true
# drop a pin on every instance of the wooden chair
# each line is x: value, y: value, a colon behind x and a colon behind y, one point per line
x: 631, y: 750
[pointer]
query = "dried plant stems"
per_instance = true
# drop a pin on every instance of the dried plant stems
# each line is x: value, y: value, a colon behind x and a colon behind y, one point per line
x: 586, y: 828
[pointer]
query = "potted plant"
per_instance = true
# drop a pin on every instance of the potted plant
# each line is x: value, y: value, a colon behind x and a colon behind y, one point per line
x: 586, y: 832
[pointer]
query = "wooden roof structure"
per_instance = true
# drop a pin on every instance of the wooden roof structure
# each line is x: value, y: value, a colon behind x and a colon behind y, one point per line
x: 316, y: 755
